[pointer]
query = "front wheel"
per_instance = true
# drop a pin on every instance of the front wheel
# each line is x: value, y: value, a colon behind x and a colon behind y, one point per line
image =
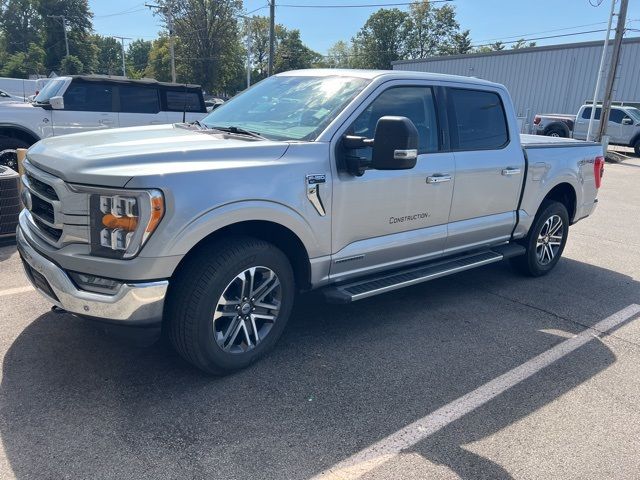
x: 636, y: 148
x: 230, y: 303
x: 546, y: 240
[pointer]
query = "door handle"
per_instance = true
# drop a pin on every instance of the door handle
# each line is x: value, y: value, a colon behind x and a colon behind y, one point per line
x: 105, y: 121
x: 510, y: 171
x: 439, y: 178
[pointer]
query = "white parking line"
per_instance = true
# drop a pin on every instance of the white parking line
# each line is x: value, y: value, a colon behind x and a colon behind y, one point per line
x: 384, y: 450
x: 13, y: 291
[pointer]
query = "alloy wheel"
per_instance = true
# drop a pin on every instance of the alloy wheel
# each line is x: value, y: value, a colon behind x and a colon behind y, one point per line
x: 247, y: 310
x: 549, y: 239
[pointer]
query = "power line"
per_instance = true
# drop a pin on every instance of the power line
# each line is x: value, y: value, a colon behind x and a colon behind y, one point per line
x: 368, y: 5
x: 546, y: 37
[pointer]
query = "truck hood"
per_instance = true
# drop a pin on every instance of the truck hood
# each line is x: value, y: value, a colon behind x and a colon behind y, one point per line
x: 113, y: 157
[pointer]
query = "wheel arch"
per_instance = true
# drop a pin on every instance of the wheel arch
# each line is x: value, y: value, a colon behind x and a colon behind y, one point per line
x: 19, y: 132
x: 559, y: 125
x: 564, y: 193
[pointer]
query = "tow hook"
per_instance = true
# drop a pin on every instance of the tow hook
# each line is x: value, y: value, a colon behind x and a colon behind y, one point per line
x: 57, y: 310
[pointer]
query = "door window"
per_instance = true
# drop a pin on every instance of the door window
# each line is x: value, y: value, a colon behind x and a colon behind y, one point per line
x: 138, y: 99
x: 415, y: 103
x: 178, y: 101
x: 477, y: 119
x: 586, y: 113
x: 89, y: 97
x: 616, y: 116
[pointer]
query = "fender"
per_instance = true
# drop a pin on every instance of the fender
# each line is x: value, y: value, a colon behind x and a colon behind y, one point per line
x: 24, y: 130
x: 251, y: 210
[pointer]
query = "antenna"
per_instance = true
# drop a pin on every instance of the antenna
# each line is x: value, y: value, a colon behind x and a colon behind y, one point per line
x: 184, y: 110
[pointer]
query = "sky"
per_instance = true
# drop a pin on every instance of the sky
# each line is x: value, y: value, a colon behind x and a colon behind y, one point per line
x: 488, y: 20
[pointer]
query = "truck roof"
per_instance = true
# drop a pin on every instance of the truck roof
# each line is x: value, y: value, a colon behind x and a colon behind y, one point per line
x: 124, y: 80
x: 388, y: 74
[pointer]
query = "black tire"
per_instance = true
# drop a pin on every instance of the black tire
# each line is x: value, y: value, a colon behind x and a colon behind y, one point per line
x: 8, y: 156
x: 556, y: 132
x: 636, y: 148
x: 196, y: 290
x: 530, y: 263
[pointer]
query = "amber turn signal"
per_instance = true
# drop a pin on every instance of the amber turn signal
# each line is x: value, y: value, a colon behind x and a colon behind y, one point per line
x: 126, y: 223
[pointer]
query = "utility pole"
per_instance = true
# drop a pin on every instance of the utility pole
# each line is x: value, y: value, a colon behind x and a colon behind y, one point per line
x: 611, y: 79
x: 168, y: 15
x: 64, y: 28
x: 600, y: 72
x: 247, y: 28
x: 124, y: 68
x: 272, y: 35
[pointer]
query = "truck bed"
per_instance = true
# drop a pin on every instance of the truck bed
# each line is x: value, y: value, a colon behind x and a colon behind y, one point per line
x: 540, y: 141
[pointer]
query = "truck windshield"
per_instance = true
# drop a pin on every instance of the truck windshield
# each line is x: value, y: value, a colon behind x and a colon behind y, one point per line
x: 288, y: 107
x: 51, y: 89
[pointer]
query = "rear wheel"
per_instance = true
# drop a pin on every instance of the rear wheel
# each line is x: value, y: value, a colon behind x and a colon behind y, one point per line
x: 556, y: 132
x: 546, y: 240
x: 230, y: 303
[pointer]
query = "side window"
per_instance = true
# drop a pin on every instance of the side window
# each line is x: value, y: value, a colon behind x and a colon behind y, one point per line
x: 177, y: 101
x: 89, y: 97
x: 415, y: 103
x: 138, y: 99
x: 616, y: 115
x: 586, y: 113
x: 480, y: 121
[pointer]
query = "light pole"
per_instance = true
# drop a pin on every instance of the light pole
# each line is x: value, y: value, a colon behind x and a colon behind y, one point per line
x: 124, y: 68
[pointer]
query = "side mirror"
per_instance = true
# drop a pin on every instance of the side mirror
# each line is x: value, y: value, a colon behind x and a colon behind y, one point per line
x: 57, y: 103
x: 395, y: 144
x: 627, y: 121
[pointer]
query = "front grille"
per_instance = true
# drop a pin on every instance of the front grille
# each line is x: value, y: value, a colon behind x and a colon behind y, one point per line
x: 42, y: 188
x: 42, y: 209
x: 9, y: 201
x: 54, y: 233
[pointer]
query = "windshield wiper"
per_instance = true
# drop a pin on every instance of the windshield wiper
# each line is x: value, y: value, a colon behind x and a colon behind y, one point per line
x: 240, y: 131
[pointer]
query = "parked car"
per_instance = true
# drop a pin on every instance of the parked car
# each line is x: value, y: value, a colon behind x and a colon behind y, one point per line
x: 7, y: 97
x: 339, y: 180
x: 80, y: 103
x: 213, y: 104
x: 623, y: 127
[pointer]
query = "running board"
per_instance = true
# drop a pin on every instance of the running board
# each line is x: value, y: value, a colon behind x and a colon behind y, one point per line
x: 382, y: 283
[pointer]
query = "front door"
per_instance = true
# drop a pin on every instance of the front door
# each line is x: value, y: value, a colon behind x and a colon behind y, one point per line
x: 389, y: 218
x: 489, y: 170
x: 139, y: 105
x: 87, y: 106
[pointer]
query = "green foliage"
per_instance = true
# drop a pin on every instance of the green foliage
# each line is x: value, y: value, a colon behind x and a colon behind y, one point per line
x: 109, y: 58
x: 431, y: 30
x: 159, y: 62
x: 522, y: 43
x: 339, y: 55
x: 382, y: 39
x: 21, y: 24
x: 292, y: 54
x: 460, y: 44
x: 137, y: 58
x: 21, y: 64
x: 71, y: 65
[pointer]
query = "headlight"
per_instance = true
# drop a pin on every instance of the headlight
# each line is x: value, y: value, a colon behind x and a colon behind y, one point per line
x: 122, y: 223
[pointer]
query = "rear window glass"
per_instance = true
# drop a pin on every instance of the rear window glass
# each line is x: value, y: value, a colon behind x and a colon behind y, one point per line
x: 586, y: 113
x: 480, y: 121
x: 138, y: 99
x: 178, y: 101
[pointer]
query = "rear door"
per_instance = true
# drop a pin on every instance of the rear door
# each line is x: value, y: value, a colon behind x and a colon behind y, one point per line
x: 489, y: 166
x: 87, y: 106
x: 139, y: 105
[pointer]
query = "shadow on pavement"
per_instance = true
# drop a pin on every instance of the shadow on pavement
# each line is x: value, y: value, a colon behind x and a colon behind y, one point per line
x: 77, y: 404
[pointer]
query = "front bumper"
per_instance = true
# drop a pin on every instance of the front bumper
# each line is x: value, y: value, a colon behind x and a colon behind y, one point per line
x: 135, y: 304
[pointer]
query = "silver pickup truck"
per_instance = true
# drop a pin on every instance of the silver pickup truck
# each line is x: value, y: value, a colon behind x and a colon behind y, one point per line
x: 353, y: 182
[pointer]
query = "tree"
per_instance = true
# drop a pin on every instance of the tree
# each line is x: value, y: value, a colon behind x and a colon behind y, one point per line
x: 339, y: 55
x: 522, y: 43
x: 109, y: 58
x: 382, y: 39
x: 137, y: 58
x: 493, y: 47
x: 258, y: 29
x: 292, y: 54
x: 78, y: 20
x: 71, y: 65
x: 21, y: 64
x: 461, y: 44
x: 159, y: 63
x: 21, y: 24
x: 431, y: 29
x: 209, y: 36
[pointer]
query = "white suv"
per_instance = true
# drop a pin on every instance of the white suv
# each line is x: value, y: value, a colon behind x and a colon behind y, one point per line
x: 80, y: 103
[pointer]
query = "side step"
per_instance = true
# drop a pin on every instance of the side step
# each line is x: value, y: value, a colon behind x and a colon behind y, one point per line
x: 386, y: 282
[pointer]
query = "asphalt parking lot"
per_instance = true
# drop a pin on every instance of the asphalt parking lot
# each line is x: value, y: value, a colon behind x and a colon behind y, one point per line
x: 481, y: 375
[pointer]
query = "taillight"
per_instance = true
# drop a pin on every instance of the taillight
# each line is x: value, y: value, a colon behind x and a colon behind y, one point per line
x: 536, y: 120
x: 598, y: 170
